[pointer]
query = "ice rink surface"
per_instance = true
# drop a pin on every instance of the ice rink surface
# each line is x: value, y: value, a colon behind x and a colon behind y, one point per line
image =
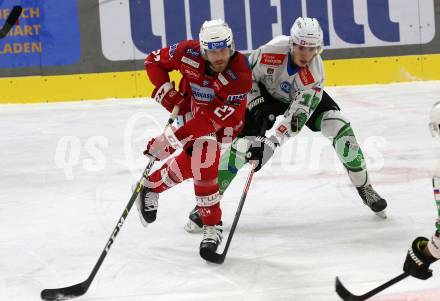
x: 66, y: 172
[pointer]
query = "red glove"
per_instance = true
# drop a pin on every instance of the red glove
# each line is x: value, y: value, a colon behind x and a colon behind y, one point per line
x: 163, y: 145
x: 168, y: 97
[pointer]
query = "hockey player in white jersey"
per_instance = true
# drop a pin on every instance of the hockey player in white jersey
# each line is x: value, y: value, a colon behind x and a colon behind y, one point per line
x: 288, y: 78
x: 425, y: 251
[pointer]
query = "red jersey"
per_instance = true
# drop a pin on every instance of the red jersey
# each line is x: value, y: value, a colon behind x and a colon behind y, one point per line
x: 217, y: 100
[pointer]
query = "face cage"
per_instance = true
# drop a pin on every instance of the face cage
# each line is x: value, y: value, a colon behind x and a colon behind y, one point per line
x: 435, y: 129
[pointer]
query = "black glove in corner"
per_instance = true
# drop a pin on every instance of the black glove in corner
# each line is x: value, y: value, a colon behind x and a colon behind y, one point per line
x: 417, y: 263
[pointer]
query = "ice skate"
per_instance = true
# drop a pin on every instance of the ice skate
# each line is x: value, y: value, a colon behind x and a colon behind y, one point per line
x: 373, y: 200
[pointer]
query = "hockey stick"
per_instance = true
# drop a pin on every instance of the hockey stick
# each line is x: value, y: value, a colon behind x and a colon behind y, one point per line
x: 11, y: 20
x: 220, y: 258
x: 348, y: 296
x: 80, y: 289
x: 214, y: 257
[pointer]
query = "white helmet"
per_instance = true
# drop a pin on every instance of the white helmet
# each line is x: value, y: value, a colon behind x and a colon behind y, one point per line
x: 216, y: 34
x: 307, y: 32
x: 434, y: 119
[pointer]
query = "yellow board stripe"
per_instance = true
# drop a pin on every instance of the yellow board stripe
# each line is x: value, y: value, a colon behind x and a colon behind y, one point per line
x: 31, y: 89
x: 382, y: 70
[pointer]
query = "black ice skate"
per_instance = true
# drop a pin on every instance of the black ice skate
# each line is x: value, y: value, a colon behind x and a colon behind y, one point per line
x: 373, y: 200
x: 147, y: 204
x: 212, y: 237
x: 194, y: 224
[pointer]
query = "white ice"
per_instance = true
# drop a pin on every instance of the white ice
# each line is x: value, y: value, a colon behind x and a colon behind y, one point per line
x: 66, y: 172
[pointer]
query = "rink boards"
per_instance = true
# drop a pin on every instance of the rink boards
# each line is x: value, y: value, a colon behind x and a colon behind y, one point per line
x: 99, y: 53
x: 130, y: 84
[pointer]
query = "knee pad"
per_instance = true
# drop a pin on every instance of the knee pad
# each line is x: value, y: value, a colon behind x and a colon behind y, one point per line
x: 337, y: 128
x: 332, y: 122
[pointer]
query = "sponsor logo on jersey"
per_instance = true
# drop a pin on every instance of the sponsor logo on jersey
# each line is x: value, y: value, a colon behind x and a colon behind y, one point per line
x: 190, y: 62
x: 172, y: 49
x: 231, y: 74
x: 306, y: 76
x: 272, y: 59
x: 222, y: 79
x: 191, y: 73
x: 285, y: 86
x: 193, y: 52
x: 236, y: 98
x: 202, y: 93
x: 205, y: 82
x: 270, y: 70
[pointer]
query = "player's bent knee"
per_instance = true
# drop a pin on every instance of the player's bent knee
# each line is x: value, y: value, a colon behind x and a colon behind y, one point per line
x: 332, y: 123
x: 338, y: 129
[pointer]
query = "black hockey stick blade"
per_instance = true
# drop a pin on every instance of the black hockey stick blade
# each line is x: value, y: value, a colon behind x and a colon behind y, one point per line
x: 346, y: 295
x: 11, y: 20
x: 212, y: 256
x: 65, y: 293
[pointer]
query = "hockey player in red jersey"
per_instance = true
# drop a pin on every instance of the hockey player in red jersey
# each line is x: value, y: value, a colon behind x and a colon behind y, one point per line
x: 212, y: 98
x: 423, y: 252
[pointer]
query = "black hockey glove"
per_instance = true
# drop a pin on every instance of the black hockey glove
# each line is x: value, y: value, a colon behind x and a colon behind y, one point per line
x: 416, y: 262
x: 261, y: 150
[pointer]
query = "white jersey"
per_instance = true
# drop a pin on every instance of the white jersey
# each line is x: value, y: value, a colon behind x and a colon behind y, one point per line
x: 272, y: 66
x: 301, y: 87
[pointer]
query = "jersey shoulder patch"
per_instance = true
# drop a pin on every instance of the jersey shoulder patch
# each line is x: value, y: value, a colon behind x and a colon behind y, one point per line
x: 193, y: 52
x: 173, y: 49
